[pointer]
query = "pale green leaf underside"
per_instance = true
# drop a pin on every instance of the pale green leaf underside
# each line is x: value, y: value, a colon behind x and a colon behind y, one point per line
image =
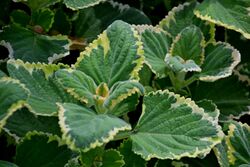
x: 189, y: 45
x: 116, y: 55
x: 35, y: 144
x: 80, y: 4
x: 181, y: 17
x: 230, y: 14
x: 238, y: 144
x: 78, y: 84
x: 12, y: 96
x: 83, y: 129
x: 220, y: 60
x: 93, y: 20
x: 32, y: 47
x: 177, y: 64
x: 44, y: 90
x: 156, y: 44
x: 172, y: 127
x: 232, y: 97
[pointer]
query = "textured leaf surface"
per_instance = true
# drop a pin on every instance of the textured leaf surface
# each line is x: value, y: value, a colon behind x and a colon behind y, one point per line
x: 238, y: 143
x: 172, y: 127
x: 116, y: 55
x: 220, y: 60
x: 92, y: 21
x: 131, y: 159
x: 119, y: 93
x: 156, y: 44
x: 23, y: 121
x: 62, y: 23
x: 7, y: 164
x: 83, y: 129
x: 32, y: 47
x: 43, y: 18
x: 220, y: 151
x: 112, y: 158
x: 189, y: 45
x: 80, y: 4
x: 35, y: 144
x: 12, y: 96
x: 44, y: 89
x: 78, y: 84
x: 181, y: 17
x: 232, y: 97
x: 232, y: 15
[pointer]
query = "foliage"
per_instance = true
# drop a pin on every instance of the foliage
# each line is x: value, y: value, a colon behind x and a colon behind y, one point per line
x: 93, y: 83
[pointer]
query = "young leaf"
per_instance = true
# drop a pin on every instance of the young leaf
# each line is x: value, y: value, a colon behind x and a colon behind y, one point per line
x: 116, y: 55
x: 83, y: 129
x: 43, y: 18
x: 20, y: 17
x: 12, y: 97
x: 80, y: 4
x: 231, y: 15
x: 78, y: 84
x: 181, y: 17
x: 230, y: 95
x: 92, y: 21
x: 220, y: 60
x: 131, y: 159
x: 238, y: 144
x: 112, y: 158
x: 7, y: 164
x: 38, y: 4
x: 156, y: 44
x: 62, y: 23
x: 172, y: 127
x: 189, y: 45
x: 44, y: 89
x: 23, y: 121
x: 40, y: 149
x: 32, y: 47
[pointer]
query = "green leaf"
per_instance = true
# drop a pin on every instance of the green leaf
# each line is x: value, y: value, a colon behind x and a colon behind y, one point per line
x: 92, y: 157
x: 172, y: 127
x: 74, y: 162
x: 20, y: 17
x: 238, y: 143
x: 2, y: 74
x: 119, y: 92
x: 220, y: 60
x: 40, y: 149
x: 230, y: 95
x: 38, y: 4
x: 43, y: 18
x: 220, y: 151
x: 81, y: 4
x: 92, y: 21
x: 112, y: 158
x: 62, y: 23
x: 210, y: 108
x: 78, y: 84
x: 23, y: 121
x: 231, y: 15
x: 156, y: 44
x: 83, y: 129
x: 181, y: 17
x: 32, y: 47
x: 12, y: 97
x: 189, y: 45
x: 243, y: 72
x: 44, y: 89
x: 116, y: 55
x: 7, y: 164
x: 178, y: 64
x: 131, y: 159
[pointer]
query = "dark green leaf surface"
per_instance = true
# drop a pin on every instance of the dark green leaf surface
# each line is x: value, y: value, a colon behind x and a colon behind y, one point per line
x: 40, y: 149
x: 7, y: 164
x: 43, y: 18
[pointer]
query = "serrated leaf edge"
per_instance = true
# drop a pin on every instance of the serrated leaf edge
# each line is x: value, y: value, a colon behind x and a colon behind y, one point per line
x: 71, y: 142
x: 83, y: 7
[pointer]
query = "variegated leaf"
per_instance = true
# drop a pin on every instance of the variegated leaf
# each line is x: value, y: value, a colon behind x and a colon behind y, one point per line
x: 83, y: 129
x: 116, y: 55
x: 44, y: 89
x: 181, y: 17
x: 13, y: 95
x: 80, y: 4
x: 172, y: 127
x: 220, y: 60
x: 229, y: 14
